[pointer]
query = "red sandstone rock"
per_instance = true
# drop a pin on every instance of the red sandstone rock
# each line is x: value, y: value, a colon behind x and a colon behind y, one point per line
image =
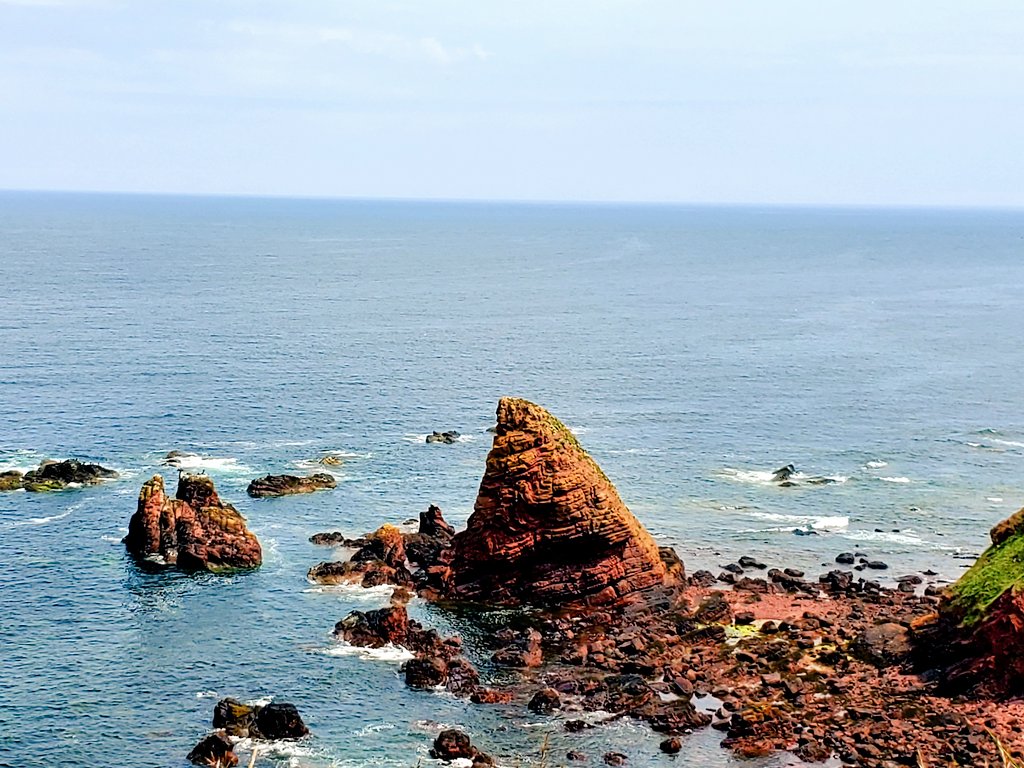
x: 381, y: 560
x: 195, y: 531
x: 548, y: 526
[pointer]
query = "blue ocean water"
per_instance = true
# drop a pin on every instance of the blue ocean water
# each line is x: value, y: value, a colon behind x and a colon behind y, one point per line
x: 693, y: 350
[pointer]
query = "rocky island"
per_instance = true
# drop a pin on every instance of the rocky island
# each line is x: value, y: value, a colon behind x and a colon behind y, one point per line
x: 194, y: 531
x: 56, y: 476
x: 286, y: 485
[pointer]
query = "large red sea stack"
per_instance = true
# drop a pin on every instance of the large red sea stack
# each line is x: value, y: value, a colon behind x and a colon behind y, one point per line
x: 195, y: 531
x: 548, y: 527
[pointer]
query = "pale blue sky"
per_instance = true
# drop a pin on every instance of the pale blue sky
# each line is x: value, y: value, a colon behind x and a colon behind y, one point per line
x: 916, y: 102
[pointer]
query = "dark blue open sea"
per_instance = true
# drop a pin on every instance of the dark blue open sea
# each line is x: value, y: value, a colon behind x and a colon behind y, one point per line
x: 693, y: 350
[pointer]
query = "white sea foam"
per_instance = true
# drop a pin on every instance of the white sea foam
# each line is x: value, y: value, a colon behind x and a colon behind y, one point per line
x: 225, y: 465
x: 876, y: 464
x: 295, y: 752
x: 370, y: 729
x: 45, y: 520
x: 206, y: 695
x: 380, y: 593
x: 111, y: 539
x: 827, y: 523
x: 262, y: 701
x: 390, y: 653
x: 755, y: 476
x: 1009, y: 443
x: 895, y: 479
x: 994, y: 499
x: 905, y: 537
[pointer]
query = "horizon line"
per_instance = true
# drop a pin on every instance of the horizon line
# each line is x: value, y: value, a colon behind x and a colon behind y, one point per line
x: 1009, y: 207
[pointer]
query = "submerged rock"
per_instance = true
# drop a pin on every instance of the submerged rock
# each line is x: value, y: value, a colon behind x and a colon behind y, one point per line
x: 58, y: 475
x: 548, y: 527
x: 449, y: 437
x: 194, y: 531
x: 285, y: 485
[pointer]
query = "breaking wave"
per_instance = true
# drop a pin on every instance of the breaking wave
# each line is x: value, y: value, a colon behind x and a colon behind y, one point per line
x: 390, y: 653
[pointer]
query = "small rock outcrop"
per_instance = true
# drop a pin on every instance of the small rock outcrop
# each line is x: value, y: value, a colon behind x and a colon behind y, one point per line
x: 286, y: 485
x: 271, y: 722
x: 216, y: 750
x: 380, y: 560
x: 548, y: 527
x: 449, y: 437
x: 56, y: 476
x: 194, y: 531
x: 452, y: 744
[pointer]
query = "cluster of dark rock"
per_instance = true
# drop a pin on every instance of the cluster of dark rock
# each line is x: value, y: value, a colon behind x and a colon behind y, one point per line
x: 55, y: 476
x: 448, y: 437
x: 234, y: 720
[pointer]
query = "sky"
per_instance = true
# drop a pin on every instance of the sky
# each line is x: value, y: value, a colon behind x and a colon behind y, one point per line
x: 876, y: 102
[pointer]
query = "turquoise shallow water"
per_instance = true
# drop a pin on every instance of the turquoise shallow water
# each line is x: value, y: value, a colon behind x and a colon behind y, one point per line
x: 692, y: 349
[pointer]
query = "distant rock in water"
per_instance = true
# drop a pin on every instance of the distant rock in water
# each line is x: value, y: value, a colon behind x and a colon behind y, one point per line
x: 284, y: 485
x: 56, y: 476
x: 216, y: 749
x: 976, y: 639
x: 549, y: 528
x: 10, y: 480
x: 177, y: 458
x: 783, y: 473
x: 195, y: 531
x: 448, y: 437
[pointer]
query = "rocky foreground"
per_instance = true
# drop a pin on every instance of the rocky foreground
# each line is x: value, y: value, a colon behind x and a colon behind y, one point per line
x: 836, y: 665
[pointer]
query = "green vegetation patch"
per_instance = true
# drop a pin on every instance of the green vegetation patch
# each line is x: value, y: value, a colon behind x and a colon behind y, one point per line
x: 999, y: 568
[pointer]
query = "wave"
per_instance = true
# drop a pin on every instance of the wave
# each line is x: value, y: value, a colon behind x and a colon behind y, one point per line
x: 876, y: 464
x: 994, y: 499
x: 1009, y: 443
x: 768, y: 478
x: 225, y: 465
x: 390, y: 653
x: 895, y: 479
x: 382, y: 592
x: 45, y: 520
x: 206, y: 695
x: 827, y: 523
x: 906, y: 537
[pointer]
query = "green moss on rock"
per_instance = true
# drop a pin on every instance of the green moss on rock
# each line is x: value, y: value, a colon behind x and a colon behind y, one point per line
x: 999, y: 568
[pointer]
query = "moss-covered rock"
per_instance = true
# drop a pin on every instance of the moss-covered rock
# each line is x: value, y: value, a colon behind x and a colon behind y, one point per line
x: 999, y: 568
x: 10, y: 480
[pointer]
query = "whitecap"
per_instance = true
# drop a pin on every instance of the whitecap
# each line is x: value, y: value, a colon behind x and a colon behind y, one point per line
x: 1010, y: 443
x: 370, y: 729
x: 908, y: 538
x: 577, y: 430
x: 876, y: 464
x: 827, y: 523
x: 111, y: 539
x: 756, y: 476
x: 380, y: 593
x: 895, y: 479
x: 994, y: 499
x: 262, y: 701
x: 276, y: 749
x: 206, y: 695
x: 390, y: 653
x: 226, y: 465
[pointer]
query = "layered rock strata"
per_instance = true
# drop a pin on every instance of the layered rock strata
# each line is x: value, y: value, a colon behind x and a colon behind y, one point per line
x: 194, y: 531
x: 548, y: 527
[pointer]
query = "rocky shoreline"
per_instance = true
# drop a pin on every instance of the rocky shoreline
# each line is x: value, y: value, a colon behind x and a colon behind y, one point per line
x: 837, y: 666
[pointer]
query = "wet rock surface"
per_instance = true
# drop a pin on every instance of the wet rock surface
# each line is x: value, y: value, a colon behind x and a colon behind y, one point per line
x: 194, y: 531
x: 285, y: 485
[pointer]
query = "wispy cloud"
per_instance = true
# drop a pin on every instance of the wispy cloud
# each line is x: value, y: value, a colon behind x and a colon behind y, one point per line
x: 365, y: 41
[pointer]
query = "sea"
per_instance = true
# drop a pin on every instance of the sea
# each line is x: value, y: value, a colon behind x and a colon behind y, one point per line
x: 693, y: 350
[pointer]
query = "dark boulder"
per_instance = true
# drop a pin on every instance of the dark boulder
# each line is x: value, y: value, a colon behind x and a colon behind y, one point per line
x: 425, y: 672
x: 448, y: 437
x: 545, y: 701
x: 215, y: 749
x: 58, y: 475
x: 277, y: 721
x: 285, y: 485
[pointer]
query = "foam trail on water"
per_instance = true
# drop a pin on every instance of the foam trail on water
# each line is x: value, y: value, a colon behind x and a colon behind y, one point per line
x: 225, y: 465
x: 895, y: 479
x: 391, y: 653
